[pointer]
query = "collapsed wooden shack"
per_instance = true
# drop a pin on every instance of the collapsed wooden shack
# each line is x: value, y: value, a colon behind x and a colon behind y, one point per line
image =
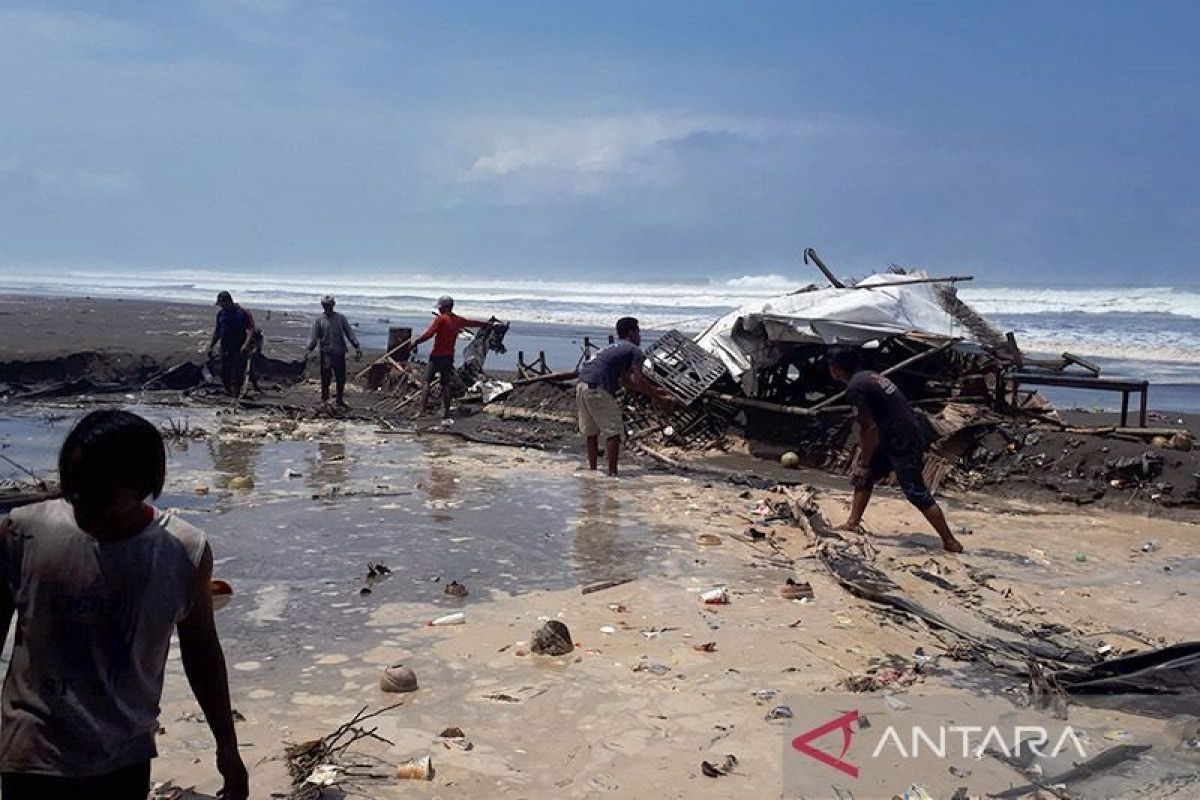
x: 757, y: 380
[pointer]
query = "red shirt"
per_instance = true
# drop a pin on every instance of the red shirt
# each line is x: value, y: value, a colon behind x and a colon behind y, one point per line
x: 444, y: 331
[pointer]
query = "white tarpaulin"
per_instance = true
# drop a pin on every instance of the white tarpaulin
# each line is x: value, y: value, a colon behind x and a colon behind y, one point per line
x: 746, y: 339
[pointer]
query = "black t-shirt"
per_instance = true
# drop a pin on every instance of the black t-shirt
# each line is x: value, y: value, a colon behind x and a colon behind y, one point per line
x: 880, y: 399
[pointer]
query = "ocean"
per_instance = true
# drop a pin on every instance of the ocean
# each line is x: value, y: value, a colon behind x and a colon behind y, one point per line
x: 1143, y: 332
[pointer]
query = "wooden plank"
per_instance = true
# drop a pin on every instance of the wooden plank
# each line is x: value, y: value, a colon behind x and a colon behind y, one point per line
x: 894, y: 368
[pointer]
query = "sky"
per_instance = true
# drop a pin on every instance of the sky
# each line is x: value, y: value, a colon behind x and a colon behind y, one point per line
x: 1026, y: 143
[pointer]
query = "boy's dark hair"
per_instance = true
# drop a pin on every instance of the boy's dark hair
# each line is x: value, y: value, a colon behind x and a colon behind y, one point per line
x: 115, y: 448
x: 626, y: 326
x: 846, y: 359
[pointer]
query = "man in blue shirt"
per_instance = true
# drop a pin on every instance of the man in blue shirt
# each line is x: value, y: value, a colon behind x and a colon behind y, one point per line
x: 619, y: 364
x: 235, y: 331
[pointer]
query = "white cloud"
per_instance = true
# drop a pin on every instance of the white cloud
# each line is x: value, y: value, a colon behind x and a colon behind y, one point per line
x: 623, y: 144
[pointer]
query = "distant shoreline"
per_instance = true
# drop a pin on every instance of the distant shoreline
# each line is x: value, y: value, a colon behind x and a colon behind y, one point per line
x: 43, y: 327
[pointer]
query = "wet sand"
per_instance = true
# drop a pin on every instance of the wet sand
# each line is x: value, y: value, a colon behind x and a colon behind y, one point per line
x: 524, y: 531
x: 636, y: 708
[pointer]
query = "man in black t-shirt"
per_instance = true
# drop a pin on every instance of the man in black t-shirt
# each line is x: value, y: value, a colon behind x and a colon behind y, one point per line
x: 891, y: 440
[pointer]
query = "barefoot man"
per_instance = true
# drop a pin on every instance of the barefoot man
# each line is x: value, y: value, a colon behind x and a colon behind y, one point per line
x: 891, y: 440
x: 619, y: 364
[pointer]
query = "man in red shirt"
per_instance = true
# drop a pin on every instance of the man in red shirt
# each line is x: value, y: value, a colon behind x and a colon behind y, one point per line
x: 444, y: 331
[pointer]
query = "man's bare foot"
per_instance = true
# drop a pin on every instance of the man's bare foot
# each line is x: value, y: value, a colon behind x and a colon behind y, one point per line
x: 952, y: 545
x: 852, y: 527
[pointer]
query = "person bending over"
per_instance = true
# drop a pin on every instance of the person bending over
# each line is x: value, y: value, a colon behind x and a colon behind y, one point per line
x: 891, y: 440
x: 619, y: 364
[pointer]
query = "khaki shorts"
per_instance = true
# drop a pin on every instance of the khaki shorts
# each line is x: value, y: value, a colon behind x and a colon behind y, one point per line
x: 599, y: 414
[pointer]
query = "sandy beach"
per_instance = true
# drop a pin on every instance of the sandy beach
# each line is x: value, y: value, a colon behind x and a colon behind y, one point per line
x: 659, y: 682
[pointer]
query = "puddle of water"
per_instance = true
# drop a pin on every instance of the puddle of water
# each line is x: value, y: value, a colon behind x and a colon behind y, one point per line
x: 296, y: 547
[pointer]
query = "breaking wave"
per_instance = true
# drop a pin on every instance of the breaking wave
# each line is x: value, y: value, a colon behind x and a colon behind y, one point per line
x: 1147, y: 300
x: 1147, y: 324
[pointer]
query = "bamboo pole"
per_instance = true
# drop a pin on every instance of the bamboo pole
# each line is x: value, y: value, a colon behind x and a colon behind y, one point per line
x: 385, y: 357
x: 894, y: 368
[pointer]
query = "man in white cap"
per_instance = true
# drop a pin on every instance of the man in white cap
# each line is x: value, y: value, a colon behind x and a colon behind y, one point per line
x: 331, y: 330
x: 444, y: 331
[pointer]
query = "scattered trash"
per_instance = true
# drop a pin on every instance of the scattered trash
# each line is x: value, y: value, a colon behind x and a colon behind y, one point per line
x: 708, y: 539
x: 607, y: 629
x: 334, y: 750
x: 796, y: 591
x: 715, y: 597
x: 763, y: 695
x: 167, y: 790
x: 728, y: 765
x: 653, y: 669
x: 455, y: 589
x: 241, y: 482
x: 200, y: 488
x: 420, y: 769
x: 457, y: 618
x: 324, y: 775
x: 602, y: 585
x: 501, y: 697
x: 377, y: 571
x: 552, y: 639
x: 913, y: 792
x: 1145, y: 467
x: 654, y: 633
x: 780, y: 712
x: 398, y: 679
x: 1151, y: 546
x: 707, y: 647
x: 1081, y: 557
x: 454, y: 739
x: 1104, y: 649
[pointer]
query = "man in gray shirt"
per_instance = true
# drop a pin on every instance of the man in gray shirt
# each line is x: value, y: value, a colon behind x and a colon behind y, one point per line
x: 616, y: 366
x: 331, y: 330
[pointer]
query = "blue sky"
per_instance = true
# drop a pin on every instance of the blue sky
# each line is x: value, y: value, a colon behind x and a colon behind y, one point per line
x: 1024, y: 142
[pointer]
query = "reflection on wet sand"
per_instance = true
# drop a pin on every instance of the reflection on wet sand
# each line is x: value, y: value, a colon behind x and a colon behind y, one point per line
x: 598, y: 553
x: 327, y: 466
x: 234, y: 457
x: 441, y: 487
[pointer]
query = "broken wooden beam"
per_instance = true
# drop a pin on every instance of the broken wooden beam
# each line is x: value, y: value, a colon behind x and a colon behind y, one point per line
x: 894, y: 368
x: 829, y: 276
x: 385, y: 357
x: 548, y: 377
x: 947, y: 279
